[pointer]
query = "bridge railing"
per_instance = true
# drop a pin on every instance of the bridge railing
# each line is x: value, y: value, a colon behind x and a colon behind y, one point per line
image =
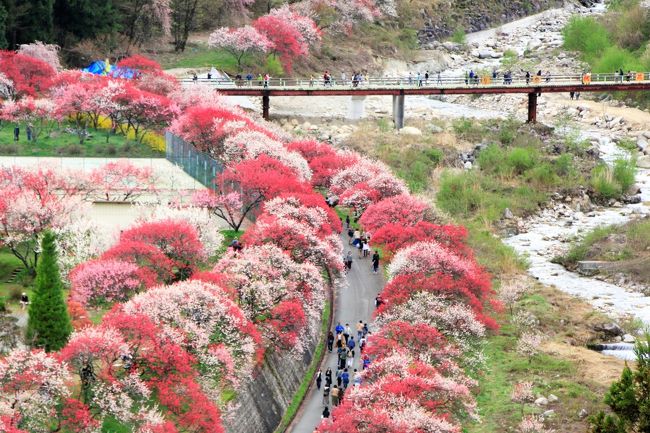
x: 434, y: 81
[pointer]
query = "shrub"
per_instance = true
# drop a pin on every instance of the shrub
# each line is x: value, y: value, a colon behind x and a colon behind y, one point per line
x: 625, y: 173
x: 491, y: 159
x: 603, y: 183
x: 564, y: 164
x: 521, y: 159
x: 587, y: 35
x: 459, y: 36
x: 542, y: 175
x: 614, y: 58
x: 459, y: 194
x: 273, y: 66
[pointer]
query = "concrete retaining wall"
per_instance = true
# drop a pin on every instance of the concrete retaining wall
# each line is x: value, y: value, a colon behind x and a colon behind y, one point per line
x: 263, y: 400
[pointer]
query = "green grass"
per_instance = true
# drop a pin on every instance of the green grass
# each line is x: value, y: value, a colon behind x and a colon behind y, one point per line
x: 308, y: 377
x: 228, y: 237
x: 200, y: 55
x: 61, y: 143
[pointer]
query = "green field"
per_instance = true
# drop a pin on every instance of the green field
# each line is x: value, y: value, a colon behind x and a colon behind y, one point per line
x: 61, y: 143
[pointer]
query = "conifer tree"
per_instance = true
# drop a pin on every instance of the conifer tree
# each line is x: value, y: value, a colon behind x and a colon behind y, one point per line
x: 49, y: 324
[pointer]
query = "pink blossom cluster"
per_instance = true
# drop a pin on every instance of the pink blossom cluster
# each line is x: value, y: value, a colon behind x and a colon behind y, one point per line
x: 104, y: 281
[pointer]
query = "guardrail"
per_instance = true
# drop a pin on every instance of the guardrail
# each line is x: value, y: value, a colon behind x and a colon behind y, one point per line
x: 434, y: 81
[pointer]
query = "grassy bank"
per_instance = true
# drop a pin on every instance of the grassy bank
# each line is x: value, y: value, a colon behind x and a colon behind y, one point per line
x: 563, y: 367
x: 625, y: 247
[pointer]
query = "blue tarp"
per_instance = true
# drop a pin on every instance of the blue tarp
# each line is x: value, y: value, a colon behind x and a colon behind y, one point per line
x: 98, y: 67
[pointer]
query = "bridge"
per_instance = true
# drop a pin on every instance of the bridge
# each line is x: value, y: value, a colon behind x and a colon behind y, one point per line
x: 400, y: 87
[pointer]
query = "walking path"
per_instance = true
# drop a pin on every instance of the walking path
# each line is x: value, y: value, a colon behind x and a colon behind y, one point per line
x: 354, y: 301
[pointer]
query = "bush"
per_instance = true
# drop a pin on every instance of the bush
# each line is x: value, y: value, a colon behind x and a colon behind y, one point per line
x: 603, y: 183
x: 542, y: 175
x: 459, y: 194
x: 625, y: 173
x: 587, y: 35
x: 615, y: 58
x: 521, y: 159
x: 459, y: 36
x: 564, y: 165
x: 273, y: 66
x: 492, y: 159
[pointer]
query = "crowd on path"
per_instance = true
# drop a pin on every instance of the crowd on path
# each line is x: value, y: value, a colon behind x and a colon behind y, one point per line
x: 348, y: 367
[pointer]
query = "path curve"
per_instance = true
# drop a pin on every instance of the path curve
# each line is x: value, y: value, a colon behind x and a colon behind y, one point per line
x: 353, y: 301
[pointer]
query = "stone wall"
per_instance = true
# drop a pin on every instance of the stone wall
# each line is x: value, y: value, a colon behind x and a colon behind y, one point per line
x: 263, y: 400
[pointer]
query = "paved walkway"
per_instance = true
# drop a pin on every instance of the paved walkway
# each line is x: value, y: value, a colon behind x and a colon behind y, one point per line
x: 354, y: 301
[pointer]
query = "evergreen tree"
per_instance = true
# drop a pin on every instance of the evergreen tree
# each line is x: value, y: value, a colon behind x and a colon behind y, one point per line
x: 49, y: 324
x: 38, y: 23
x: 3, y: 27
x: 629, y: 398
x: 76, y: 20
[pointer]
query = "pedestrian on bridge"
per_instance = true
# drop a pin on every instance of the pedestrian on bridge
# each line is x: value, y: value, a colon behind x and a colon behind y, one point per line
x: 426, y: 77
x: 343, y: 78
x: 419, y: 79
x: 267, y: 77
x: 439, y: 79
x: 249, y: 79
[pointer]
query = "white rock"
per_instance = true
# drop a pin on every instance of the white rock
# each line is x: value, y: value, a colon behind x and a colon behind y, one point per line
x: 552, y: 398
x: 627, y: 338
x: 643, y: 162
x: 542, y: 401
x: 410, y: 130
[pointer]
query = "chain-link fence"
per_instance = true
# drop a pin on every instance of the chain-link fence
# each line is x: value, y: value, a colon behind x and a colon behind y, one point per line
x: 197, y: 164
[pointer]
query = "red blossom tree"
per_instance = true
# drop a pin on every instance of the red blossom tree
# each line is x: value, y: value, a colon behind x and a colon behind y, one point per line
x: 139, y: 66
x: 244, y: 186
x: 30, y: 76
x: 393, y: 237
x: 402, y: 209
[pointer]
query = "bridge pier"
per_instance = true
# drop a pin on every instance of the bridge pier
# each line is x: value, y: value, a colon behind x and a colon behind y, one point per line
x: 398, y: 111
x: 357, y: 108
x: 532, y: 107
x: 266, y: 105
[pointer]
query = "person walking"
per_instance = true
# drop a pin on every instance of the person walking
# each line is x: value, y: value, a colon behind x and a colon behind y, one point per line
x: 319, y: 379
x: 345, y: 378
x: 347, y: 221
x: 349, y: 360
x: 328, y: 377
x: 249, y: 79
x: 16, y: 132
x: 343, y: 357
x: 339, y: 328
x: 351, y: 343
x: 339, y: 374
x: 350, y: 235
x: 375, y: 262
x: 365, y: 362
x: 439, y: 79
x: 24, y: 300
x: 326, y: 396
x: 366, y: 249
x: 359, y: 329
x: 348, y: 261
x: 356, y: 378
x: 362, y: 343
x: 419, y: 79
x: 267, y: 77
x: 30, y: 132
x: 326, y: 412
x: 347, y: 332
x: 378, y: 301
x: 426, y: 77
x: 330, y: 341
x: 335, y: 395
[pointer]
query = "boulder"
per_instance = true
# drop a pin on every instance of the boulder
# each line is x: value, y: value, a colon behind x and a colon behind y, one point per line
x: 552, y: 398
x: 627, y: 338
x: 609, y: 328
x: 507, y: 214
x: 643, y: 162
x: 541, y: 401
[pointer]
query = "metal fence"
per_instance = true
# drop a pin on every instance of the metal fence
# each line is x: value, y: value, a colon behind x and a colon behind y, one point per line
x: 199, y: 165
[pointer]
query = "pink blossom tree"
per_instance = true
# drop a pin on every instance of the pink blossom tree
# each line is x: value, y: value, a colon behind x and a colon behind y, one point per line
x: 239, y: 42
x: 48, y: 53
x: 122, y: 181
x: 104, y: 281
x: 402, y: 209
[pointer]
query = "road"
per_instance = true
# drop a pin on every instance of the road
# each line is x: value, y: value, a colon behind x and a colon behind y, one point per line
x: 354, y: 301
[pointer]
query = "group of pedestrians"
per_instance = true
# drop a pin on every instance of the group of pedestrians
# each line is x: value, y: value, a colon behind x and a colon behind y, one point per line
x: 361, y: 241
x: 334, y: 385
